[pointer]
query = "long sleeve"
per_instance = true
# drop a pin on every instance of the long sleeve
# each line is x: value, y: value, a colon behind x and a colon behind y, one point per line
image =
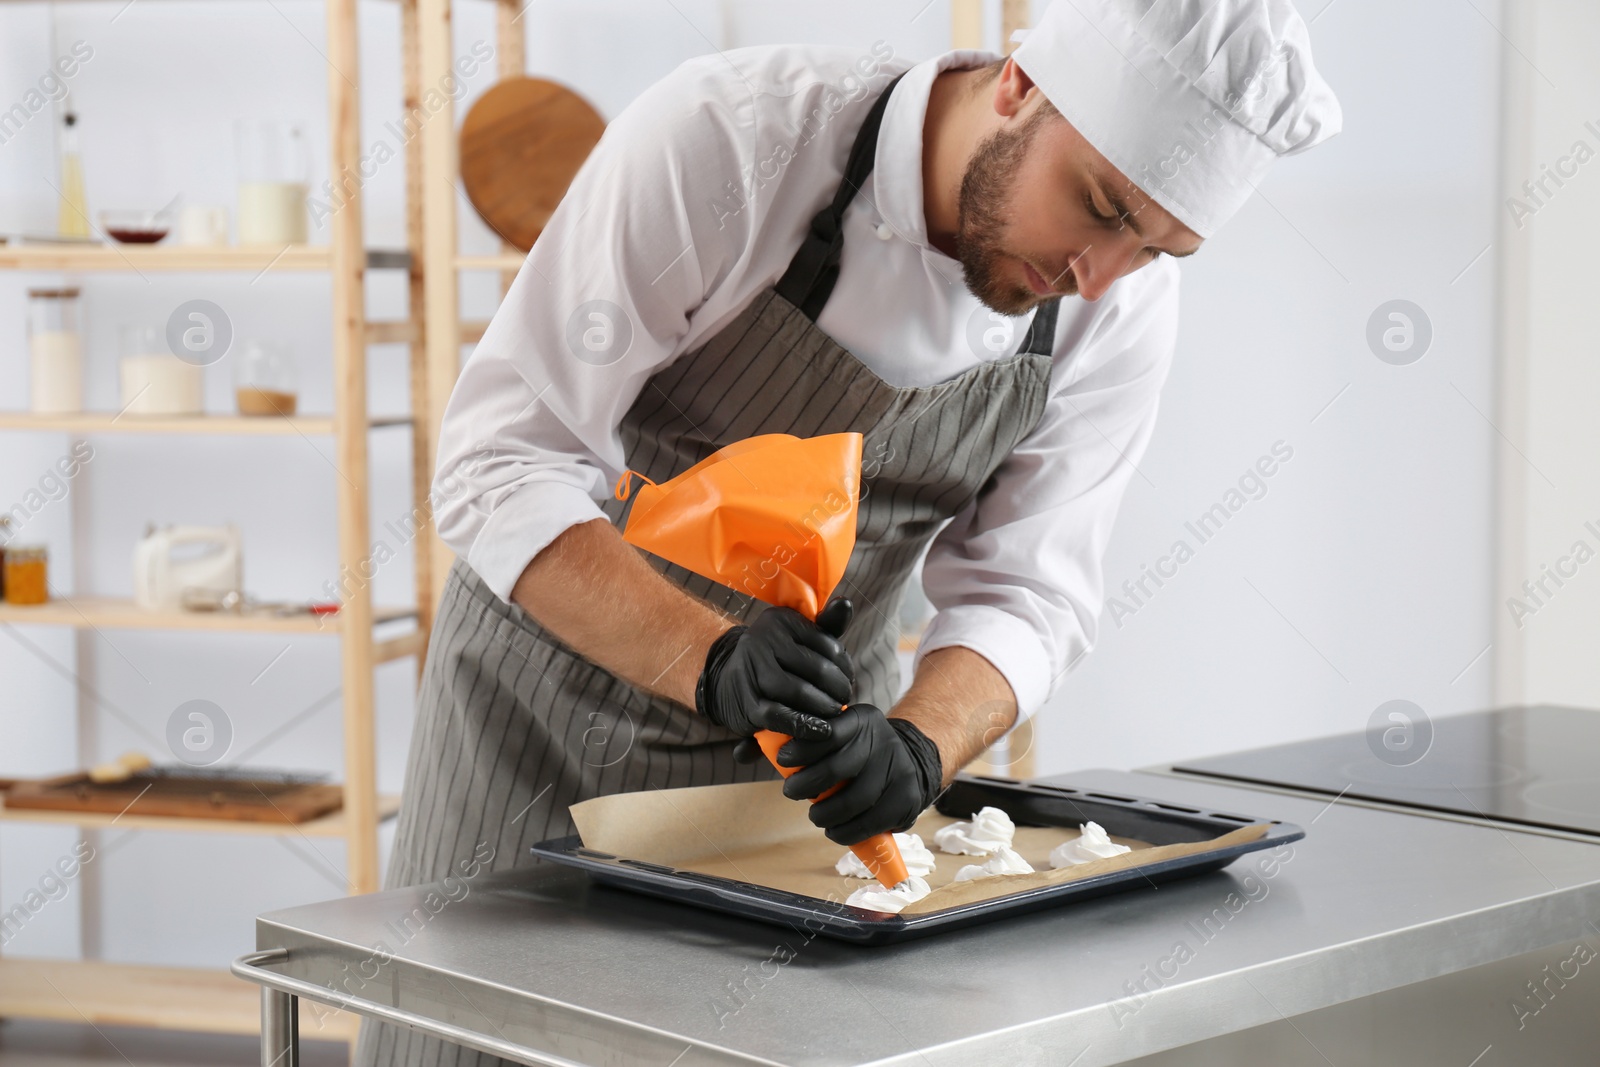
x: 1016, y: 576
x: 529, y: 440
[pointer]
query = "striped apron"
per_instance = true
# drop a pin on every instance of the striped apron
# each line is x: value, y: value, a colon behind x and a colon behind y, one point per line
x: 512, y: 726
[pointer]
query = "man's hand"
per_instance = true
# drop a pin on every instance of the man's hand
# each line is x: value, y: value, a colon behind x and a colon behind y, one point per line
x: 782, y: 672
x: 893, y: 772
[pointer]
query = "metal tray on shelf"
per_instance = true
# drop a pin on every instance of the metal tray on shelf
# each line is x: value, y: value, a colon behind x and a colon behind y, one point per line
x: 1028, y: 803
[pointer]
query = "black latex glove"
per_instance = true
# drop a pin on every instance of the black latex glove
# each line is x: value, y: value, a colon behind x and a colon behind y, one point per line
x: 892, y: 769
x: 782, y: 672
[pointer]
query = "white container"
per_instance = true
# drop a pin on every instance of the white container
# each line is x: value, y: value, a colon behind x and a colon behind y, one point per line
x: 57, y: 372
x: 272, y: 213
x: 274, y: 172
x: 156, y: 382
x: 55, y: 352
x: 202, y: 226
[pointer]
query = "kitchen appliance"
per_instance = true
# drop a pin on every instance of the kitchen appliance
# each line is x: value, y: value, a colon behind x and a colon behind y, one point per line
x: 172, y: 560
x: 1532, y: 766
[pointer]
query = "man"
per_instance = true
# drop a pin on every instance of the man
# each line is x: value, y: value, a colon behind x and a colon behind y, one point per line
x: 812, y: 240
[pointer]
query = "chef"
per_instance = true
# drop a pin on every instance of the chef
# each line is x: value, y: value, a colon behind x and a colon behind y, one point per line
x: 972, y: 262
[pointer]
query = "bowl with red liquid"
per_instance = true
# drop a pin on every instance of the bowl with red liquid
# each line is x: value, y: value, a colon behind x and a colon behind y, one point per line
x: 131, y: 226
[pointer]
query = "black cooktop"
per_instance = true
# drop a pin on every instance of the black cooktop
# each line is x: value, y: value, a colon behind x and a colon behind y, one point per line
x: 1538, y: 766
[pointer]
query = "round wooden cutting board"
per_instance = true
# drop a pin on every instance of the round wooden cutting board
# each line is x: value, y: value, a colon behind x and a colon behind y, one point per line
x: 521, y: 145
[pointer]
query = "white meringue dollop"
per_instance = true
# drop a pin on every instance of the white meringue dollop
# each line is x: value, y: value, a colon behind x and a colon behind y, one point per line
x: 919, y: 860
x: 875, y: 897
x: 1092, y: 843
x: 1004, y: 861
x: 990, y: 830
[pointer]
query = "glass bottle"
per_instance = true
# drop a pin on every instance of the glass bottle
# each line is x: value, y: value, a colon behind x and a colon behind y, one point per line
x: 72, y: 212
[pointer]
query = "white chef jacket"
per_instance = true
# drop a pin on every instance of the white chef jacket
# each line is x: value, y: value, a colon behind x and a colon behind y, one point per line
x: 692, y: 203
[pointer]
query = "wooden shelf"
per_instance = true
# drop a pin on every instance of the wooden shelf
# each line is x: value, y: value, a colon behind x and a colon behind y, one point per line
x: 412, y: 643
x: 160, y: 257
x: 503, y: 261
x: 106, y: 422
x: 120, y: 994
x: 331, y: 825
x: 112, y: 257
x: 390, y: 332
x: 116, y: 614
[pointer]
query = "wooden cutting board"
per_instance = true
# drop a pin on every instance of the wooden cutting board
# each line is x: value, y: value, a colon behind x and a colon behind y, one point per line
x: 189, y: 797
x: 521, y: 145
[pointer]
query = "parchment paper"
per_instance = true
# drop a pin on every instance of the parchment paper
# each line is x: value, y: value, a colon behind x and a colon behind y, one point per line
x: 751, y: 832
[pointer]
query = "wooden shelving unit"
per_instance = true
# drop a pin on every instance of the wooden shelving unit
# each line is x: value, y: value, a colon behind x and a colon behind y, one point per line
x: 260, y: 259
x: 333, y: 824
x: 214, y: 1001
x: 511, y: 261
x: 110, y: 422
x: 118, y: 994
x: 112, y: 613
x: 115, y: 257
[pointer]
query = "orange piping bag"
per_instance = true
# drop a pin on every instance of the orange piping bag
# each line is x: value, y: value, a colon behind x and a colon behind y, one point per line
x: 773, y: 517
x: 880, y: 852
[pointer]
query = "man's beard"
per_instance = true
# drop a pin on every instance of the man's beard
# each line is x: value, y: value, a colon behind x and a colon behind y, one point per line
x: 982, y: 205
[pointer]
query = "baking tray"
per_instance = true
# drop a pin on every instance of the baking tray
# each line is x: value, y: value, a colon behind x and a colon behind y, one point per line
x: 1028, y: 803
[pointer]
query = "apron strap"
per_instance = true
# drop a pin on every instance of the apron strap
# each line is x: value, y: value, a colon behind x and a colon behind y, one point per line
x: 1041, y: 339
x: 809, y: 281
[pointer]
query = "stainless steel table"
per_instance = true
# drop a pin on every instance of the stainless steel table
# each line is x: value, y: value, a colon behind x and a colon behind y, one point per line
x: 543, y: 967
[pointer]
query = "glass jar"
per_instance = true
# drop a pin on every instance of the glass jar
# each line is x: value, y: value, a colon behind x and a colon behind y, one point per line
x: 5, y: 538
x: 27, y: 574
x: 264, y: 380
x: 55, y: 351
x: 154, y: 381
x: 274, y: 167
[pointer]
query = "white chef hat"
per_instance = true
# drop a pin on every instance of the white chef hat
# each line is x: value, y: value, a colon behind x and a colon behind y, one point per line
x: 1191, y: 99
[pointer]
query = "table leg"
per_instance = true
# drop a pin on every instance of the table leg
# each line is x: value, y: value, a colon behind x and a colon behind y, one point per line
x: 280, y: 1028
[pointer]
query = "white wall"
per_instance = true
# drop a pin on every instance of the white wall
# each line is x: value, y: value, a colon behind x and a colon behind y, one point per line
x: 1550, y: 632
x: 1363, y: 574
x: 1373, y: 540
